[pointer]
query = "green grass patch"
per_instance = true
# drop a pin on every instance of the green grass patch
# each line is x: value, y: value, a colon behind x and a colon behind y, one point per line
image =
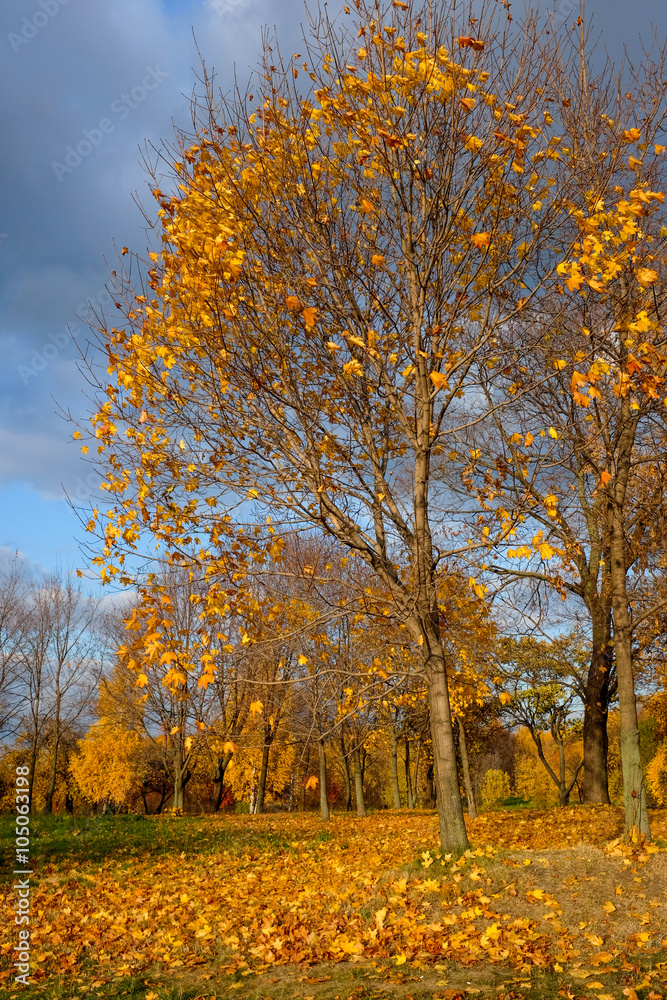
x: 77, y: 839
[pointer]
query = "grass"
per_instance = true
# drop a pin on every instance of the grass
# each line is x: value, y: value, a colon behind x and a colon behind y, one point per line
x: 55, y: 839
x: 369, y: 982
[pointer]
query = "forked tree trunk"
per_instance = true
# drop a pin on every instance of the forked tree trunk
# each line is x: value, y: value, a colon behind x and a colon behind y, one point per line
x: 465, y: 767
x: 358, y: 782
x: 324, y: 802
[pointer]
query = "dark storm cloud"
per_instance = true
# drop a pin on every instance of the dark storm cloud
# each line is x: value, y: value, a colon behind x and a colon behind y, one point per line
x: 84, y: 84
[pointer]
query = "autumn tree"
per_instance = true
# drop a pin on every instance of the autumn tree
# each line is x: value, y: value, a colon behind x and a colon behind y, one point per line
x: 334, y: 262
x: 540, y: 694
x: 580, y: 452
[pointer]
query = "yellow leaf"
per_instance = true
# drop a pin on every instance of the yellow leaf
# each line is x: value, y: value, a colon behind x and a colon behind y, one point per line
x: 174, y: 730
x: 438, y: 379
x: 312, y: 782
x: 481, y: 240
x: 553, y: 433
x: 401, y: 960
x: 142, y: 681
x: 560, y: 364
x: 366, y: 205
x: 353, y: 367
x: 529, y: 440
x: 608, y: 907
x: 505, y: 697
x: 634, y: 162
x: 605, y: 477
x: 309, y: 314
x: 292, y: 302
x: 256, y: 707
x: 646, y: 276
x: 377, y: 259
x: 228, y: 747
x: 303, y: 660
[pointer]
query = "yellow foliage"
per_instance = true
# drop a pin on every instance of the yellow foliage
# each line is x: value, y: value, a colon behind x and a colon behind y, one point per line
x: 495, y: 787
x: 108, y: 762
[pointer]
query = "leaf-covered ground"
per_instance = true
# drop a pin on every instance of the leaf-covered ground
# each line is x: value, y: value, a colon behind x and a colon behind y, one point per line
x: 544, y: 904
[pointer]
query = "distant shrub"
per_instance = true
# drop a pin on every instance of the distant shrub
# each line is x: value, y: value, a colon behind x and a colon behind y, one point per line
x: 495, y: 787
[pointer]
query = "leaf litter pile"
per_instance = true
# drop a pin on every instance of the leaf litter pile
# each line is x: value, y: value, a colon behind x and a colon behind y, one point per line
x: 555, y: 891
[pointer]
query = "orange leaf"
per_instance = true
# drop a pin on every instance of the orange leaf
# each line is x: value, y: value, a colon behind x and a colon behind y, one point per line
x: 309, y: 315
x: 481, y: 240
x: 476, y: 44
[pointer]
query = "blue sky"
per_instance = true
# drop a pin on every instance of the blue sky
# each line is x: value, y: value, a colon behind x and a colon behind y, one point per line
x: 105, y: 78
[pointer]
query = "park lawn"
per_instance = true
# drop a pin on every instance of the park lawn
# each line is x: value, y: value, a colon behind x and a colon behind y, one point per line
x: 544, y: 904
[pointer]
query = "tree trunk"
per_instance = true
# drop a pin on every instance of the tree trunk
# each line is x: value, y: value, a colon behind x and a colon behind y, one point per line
x: 408, y: 773
x: 563, y: 790
x: 634, y: 790
x: 465, y: 767
x: 414, y: 785
x: 261, y: 788
x: 181, y: 778
x: 396, y: 792
x: 430, y: 787
x: 220, y: 777
x: 324, y: 802
x: 346, y: 774
x: 453, y: 834
x: 48, y: 805
x: 596, y: 782
x: 358, y: 781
